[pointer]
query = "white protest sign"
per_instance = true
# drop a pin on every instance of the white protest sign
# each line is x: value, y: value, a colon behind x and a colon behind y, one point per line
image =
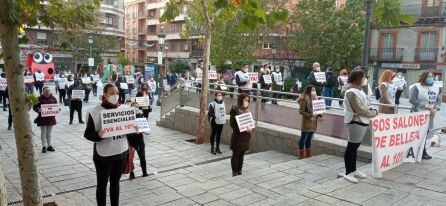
x: 86, y: 80
x: 299, y: 84
x: 130, y: 80
x: 398, y: 83
x: 212, y: 75
x: 28, y: 79
x: 95, y: 77
x: 438, y: 84
x: 320, y: 77
x: 318, y: 106
x: 143, y: 125
x: 188, y: 83
x: 49, y: 110
x: 40, y: 77
x: 90, y: 62
x: 143, y: 101
x: 267, y: 79
x: 77, y: 94
x: 398, y: 138
x: 166, y: 87
x: 119, y: 121
x: 253, y: 77
x: 165, y: 82
x: 3, y: 82
x: 245, y: 122
x: 223, y: 87
x: 124, y: 85
x: 152, y: 86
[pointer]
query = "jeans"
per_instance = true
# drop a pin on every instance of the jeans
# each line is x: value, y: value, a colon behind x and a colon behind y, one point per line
x: 152, y: 94
x: 45, y: 135
x: 275, y: 96
x: 95, y: 89
x: 105, y: 171
x: 237, y: 160
x: 87, y: 95
x: 350, y: 157
x: 328, y: 92
x: 142, y: 159
x: 305, y: 140
x: 398, y: 96
x: 216, y: 134
x: 29, y: 89
x: 9, y: 117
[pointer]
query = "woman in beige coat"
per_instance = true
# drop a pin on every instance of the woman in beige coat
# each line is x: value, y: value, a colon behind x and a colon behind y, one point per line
x: 308, y: 121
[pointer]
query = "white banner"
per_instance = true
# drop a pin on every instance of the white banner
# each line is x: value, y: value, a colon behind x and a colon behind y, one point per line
x: 3, y: 82
x: 318, y: 106
x: 253, y: 77
x: 86, y: 80
x: 49, y: 110
x: 77, y: 94
x: 212, y: 75
x: 124, y: 86
x: 267, y: 79
x: 398, y: 138
x: 28, y: 79
x: 320, y: 77
x: 143, y: 125
x: 143, y: 101
x: 245, y: 121
x: 119, y: 121
x: 223, y: 87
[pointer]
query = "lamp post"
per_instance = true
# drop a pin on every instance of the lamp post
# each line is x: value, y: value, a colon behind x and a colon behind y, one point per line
x: 90, y: 42
x: 368, y: 13
x: 161, y: 39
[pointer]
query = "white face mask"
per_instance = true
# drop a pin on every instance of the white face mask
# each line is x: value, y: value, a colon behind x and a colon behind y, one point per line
x: 318, y: 69
x: 277, y: 70
x: 113, y: 99
x: 364, y: 82
x: 219, y: 98
x: 245, y: 104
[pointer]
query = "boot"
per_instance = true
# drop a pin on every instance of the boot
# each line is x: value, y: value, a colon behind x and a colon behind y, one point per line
x: 218, y: 150
x: 307, y: 152
x: 213, y: 150
x: 132, y: 176
x: 425, y: 155
x: 302, y: 154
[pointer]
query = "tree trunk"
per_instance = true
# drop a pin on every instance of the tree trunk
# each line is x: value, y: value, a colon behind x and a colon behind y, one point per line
x: 2, y: 181
x: 19, y: 108
x: 204, y: 84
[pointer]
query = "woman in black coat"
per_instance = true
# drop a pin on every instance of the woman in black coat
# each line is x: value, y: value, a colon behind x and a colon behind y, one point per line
x: 144, y: 92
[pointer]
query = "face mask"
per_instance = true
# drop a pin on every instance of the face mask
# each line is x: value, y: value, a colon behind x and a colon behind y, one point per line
x: 268, y: 70
x: 277, y: 70
x: 245, y: 104
x: 313, y: 93
x: 245, y: 70
x: 219, y: 98
x: 364, y: 82
x: 430, y: 81
x: 399, y: 76
x: 318, y: 69
x: 113, y: 99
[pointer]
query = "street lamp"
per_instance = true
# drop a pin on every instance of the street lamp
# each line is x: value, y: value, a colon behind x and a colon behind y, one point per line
x: 161, y: 39
x: 90, y: 42
x: 368, y: 14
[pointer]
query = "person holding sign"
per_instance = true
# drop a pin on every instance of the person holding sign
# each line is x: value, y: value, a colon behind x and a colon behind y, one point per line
x: 122, y: 91
x: 62, y: 88
x: 313, y: 80
x: 242, y: 80
x: 276, y: 78
x: 217, y: 118
x: 95, y: 78
x: 424, y: 96
x: 39, y: 79
x: 357, y: 119
x: 110, y: 154
x: 3, y: 85
x: 342, y: 81
x: 86, y: 82
x: 75, y: 102
x: 137, y: 141
x: 29, y: 81
x: 308, y: 121
x: 144, y: 92
x: 400, y: 83
x: 387, y: 92
x: 240, y: 140
x: 265, y: 81
x: 45, y: 123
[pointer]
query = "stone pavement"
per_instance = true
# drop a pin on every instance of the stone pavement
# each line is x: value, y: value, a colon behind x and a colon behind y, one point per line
x: 187, y: 174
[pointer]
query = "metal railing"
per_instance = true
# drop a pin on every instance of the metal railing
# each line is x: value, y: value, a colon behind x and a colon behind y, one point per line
x: 426, y: 54
x: 386, y: 54
x: 425, y: 11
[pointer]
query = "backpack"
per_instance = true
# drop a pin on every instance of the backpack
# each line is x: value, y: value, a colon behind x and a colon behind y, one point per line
x: 377, y: 93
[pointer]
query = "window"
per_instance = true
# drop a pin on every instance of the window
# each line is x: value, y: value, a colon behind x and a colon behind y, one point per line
x: 430, y: 3
x: 387, y: 46
x: 41, y: 38
x: 266, y: 45
x: 173, y: 28
x: 428, y: 39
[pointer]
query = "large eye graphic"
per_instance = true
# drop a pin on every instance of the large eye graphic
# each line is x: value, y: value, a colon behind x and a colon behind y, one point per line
x: 37, y: 57
x: 48, y: 58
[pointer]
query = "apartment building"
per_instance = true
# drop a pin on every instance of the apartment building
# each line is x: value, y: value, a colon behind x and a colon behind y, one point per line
x: 412, y: 49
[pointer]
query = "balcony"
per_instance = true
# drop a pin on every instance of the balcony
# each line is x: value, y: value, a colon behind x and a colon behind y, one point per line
x: 424, y: 12
x: 196, y: 53
x: 141, y: 60
x: 141, y: 45
x: 386, y: 54
x: 426, y: 54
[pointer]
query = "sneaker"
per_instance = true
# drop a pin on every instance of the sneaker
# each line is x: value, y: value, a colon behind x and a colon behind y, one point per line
x: 43, y: 149
x: 351, y: 178
x: 426, y: 156
x: 359, y: 174
x: 51, y: 149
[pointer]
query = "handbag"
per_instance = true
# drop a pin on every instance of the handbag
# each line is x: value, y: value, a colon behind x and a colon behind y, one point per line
x: 129, y: 166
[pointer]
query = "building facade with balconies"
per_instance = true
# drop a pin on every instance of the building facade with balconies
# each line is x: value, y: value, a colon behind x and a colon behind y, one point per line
x: 412, y: 49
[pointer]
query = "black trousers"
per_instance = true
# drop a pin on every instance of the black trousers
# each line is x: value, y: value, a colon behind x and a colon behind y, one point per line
x: 9, y: 117
x: 142, y: 159
x: 95, y: 89
x: 39, y: 86
x: 398, y: 96
x: 76, y: 106
x: 62, y: 95
x: 108, y: 171
x: 122, y: 97
x: 350, y: 157
x: 237, y: 160
x: 216, y: 134
x: 3, y: 98
x: 87, y: 95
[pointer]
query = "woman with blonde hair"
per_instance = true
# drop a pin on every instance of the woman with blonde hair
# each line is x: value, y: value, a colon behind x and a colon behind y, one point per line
x: 387, y: 92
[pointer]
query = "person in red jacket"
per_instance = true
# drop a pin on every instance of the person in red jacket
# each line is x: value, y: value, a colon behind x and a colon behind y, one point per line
x: 45, y: 123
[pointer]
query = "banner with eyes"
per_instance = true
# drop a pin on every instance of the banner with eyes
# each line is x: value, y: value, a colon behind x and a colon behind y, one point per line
x: 41, y: 62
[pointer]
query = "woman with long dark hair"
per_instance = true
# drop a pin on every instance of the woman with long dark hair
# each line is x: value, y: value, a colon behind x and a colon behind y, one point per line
x: 144, y: 92
x: 239, y: 140
x: 308, y: 122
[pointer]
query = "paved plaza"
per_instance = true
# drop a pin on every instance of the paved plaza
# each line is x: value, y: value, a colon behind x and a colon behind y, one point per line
x: 183, y: 173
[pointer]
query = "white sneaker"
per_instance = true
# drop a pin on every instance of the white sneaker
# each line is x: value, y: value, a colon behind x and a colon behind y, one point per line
x: 351, y: 178
x: 359, y: 174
